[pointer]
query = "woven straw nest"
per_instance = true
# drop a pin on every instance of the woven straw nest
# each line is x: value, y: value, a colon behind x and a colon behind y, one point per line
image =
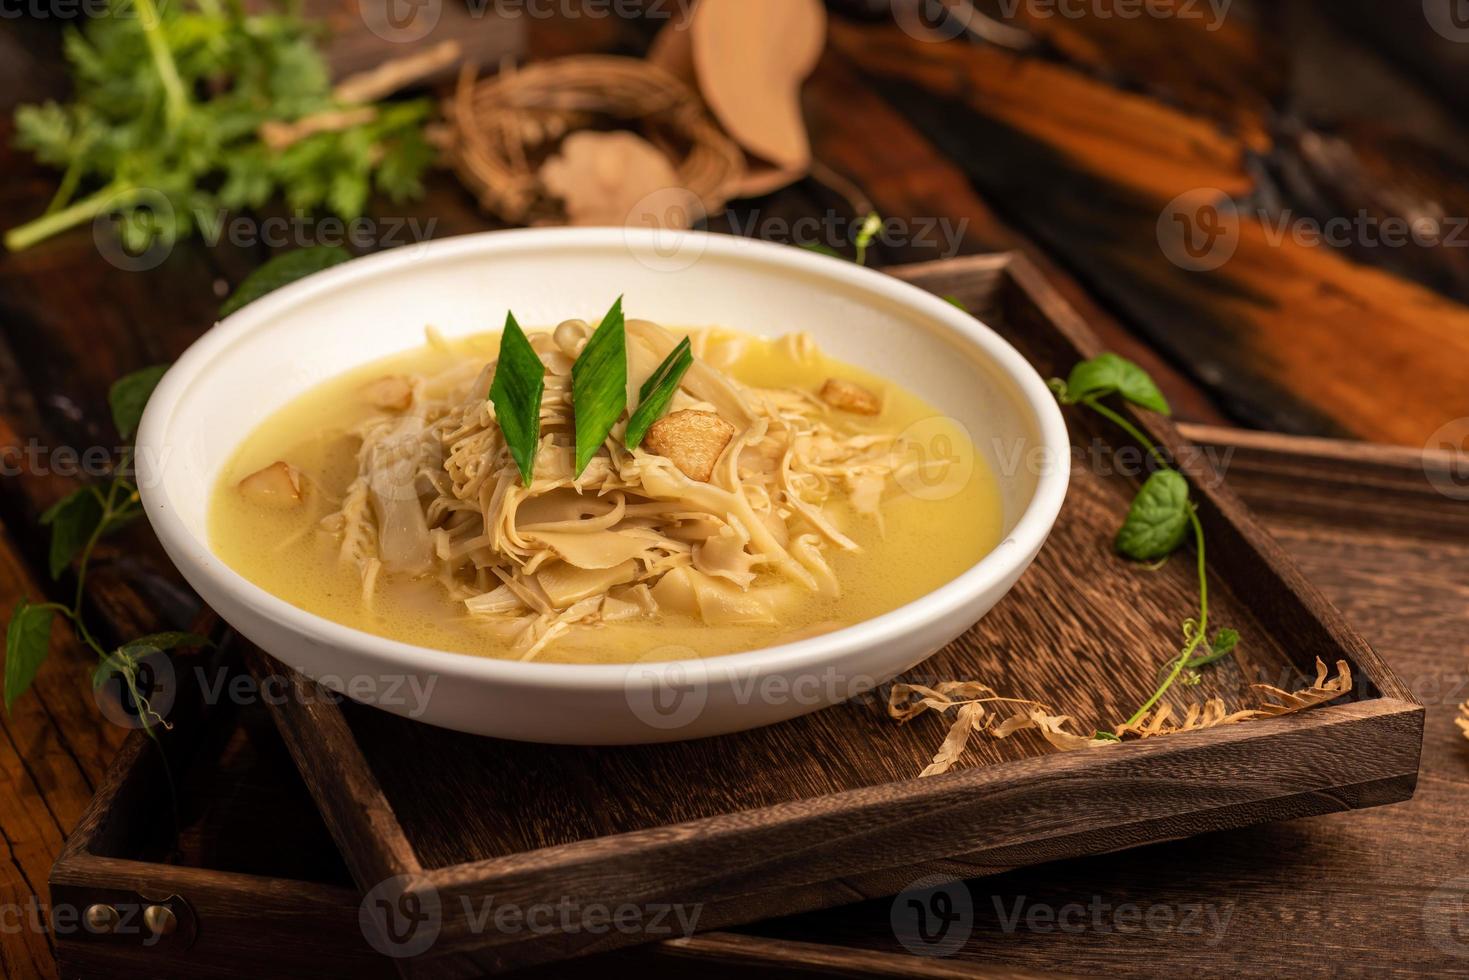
x: 502, y: 129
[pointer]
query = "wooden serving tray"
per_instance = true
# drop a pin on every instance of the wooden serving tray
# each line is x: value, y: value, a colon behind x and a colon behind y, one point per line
x: 262, y: 891
x: 825, y: 809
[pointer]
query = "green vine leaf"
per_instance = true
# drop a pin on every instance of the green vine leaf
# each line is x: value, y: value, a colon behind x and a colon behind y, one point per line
x: 158, y: 642
x: 1161, y: 514
x: 73, y: 520
x: 27, y: 641
x: 282, y: 270
x: 1110, y: 374
x: 129, y: 396
x: 1158, y: 520
x: 124, y: 660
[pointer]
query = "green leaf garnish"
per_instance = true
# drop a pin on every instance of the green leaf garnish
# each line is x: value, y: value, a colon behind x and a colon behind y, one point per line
x: 282, y: 270
x: 1157, y: 523
x: 520, y: 381
x: 27, y: 640
x: 599, y: 385
x: 1110, y: 374
x: 658, y: 391
x: 129, y: 395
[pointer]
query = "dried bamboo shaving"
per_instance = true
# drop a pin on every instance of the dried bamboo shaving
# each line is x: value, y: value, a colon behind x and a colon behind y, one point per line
x: 1318, y: 693
x: 970, y: 698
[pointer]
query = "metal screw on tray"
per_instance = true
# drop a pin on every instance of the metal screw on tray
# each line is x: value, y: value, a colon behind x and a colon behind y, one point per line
x: 160, y: 920
x: 101, y: 918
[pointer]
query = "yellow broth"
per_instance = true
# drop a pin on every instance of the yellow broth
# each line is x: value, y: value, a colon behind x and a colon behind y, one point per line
x: 931, y: 531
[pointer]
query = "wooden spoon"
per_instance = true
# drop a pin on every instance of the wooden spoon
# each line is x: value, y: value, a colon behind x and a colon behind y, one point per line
x: 750, y: 57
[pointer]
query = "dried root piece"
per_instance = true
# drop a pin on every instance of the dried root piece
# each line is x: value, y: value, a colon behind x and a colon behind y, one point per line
x: 278, y: 485
x: 848, y: 396
x: 611, y: 179
x: 391, y: 394
x: 691, y: 440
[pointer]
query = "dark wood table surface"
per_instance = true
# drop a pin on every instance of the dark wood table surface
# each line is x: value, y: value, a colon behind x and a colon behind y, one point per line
x: 1076, y: 150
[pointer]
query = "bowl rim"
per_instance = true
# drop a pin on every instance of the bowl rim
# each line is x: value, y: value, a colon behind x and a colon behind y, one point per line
x: 1005, y: 560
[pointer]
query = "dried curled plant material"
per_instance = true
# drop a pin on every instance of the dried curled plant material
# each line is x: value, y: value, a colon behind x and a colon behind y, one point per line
x: 1052, y: 729
x: 970, y: 696
x: 1274, y: 703
x: 969, y: 718
x: 1463, y: 720
x: 1320, y: 692
x: 1211, y: 714
x: 940, y: 698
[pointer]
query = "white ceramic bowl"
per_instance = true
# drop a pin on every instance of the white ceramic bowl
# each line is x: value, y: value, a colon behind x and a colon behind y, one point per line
x: 278, y: 347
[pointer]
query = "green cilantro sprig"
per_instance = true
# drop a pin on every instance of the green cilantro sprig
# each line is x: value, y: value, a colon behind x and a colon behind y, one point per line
x: 165, y: 127
x: 1161, y: 516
